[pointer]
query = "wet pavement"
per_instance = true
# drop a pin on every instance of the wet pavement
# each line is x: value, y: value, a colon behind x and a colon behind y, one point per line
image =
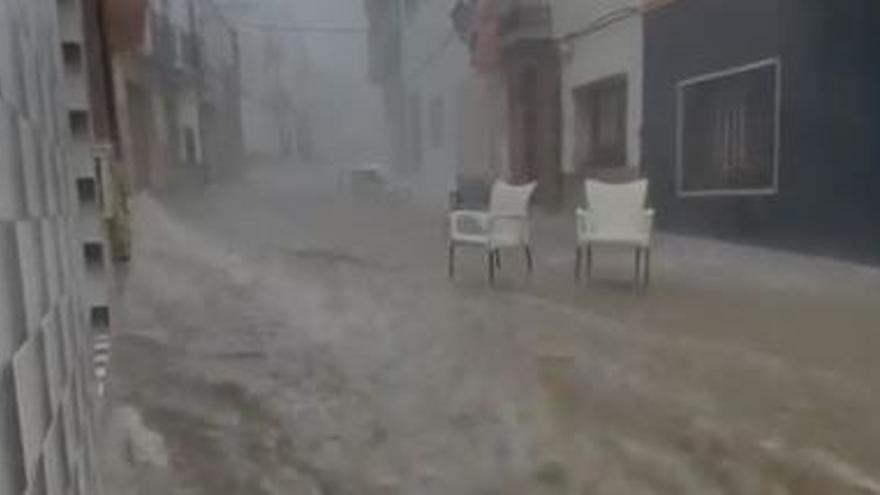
x: 279, y: 336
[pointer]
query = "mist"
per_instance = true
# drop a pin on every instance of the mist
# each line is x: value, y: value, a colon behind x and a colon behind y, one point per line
x: 439, y: 247
x: 304, y: 76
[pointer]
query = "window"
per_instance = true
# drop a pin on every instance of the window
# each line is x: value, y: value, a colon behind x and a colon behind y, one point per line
x: 728, y: 131
x: 87, y: 191
x: 78, y: 121
x: 438, y: 122
x: 601, y: 123
x: 71, y: 52
x: 99, y: 317
x: 93, y: 253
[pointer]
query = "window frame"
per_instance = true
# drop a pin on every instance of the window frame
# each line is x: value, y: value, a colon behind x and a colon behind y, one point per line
x: 587, y: 99
x: 683, y: 84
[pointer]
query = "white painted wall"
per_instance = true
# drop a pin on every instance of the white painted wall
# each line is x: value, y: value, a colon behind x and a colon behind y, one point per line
x: 616, y: 49
x: 435, y: 64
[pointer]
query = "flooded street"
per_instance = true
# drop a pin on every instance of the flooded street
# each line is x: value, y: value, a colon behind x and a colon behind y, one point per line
x: 278, y: 351
x: 447, y: 247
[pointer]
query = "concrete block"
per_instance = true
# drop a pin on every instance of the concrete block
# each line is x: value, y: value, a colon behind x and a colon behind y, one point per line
x: 32, y: 272
x: 65, y: 338
x: 28, y: 70
x: 58, y: 177
x: 12, y: 198
x: 50, y: 179
x: 66, y: 197
x: 65, y: 359
x: 64, y: 252
x: 32, y: 400
x: 50, y: 260
x: 37, y: 482
x: 10, y: 71
x: 12, y: 477
x: 30, y: 167
x: 53, y: 463
x: 78, y: 330
x: 89, y: 225
x: 46, y: 99
x: 97, y: 292
x: 13, y: 325
x: 78, y: 406
x: 58, y: 235
x: 71, y: 433
x: 35, y: 93
x: 81, y: 476
x: 70, y: 20
x: 52, y: 359
x: 79, y: 158
x: 39, y: 156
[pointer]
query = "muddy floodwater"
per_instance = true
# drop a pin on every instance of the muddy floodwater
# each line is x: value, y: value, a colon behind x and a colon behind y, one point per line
x: 281, y: 337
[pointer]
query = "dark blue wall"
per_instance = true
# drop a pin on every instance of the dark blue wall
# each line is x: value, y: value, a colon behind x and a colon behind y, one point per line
x: 829, y: 182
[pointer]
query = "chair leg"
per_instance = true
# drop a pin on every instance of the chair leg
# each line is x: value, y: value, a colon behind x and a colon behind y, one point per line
x: 498, y: 259
x: 638, y: 273
x: 451, y: 260
x: 530, y: 262
x: 578, y: 253
x: 647, y: 266
x: 589, y: 261
x: 490, y: 254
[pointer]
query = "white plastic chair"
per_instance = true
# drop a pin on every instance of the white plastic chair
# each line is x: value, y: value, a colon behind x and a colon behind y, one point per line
x: 615, y: 215
x: 504, y: 225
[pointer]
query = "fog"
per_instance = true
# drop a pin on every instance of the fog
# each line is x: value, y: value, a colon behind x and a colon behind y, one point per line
x: 317, y: 64
x: 439, y: 247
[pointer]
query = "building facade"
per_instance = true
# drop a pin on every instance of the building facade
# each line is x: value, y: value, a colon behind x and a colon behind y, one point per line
x: 53, y: 252
x: 385, y: 70
x: 471, y: 91
x: 176, y: 87
x: 275, y: 73
x: 769, y: 136
x: 218, y: 68
x: 601, y: 48
x: 530, y: 72
x: 435, y: 79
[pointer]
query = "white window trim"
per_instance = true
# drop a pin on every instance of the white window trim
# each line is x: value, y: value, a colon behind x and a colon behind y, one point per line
x: 679, y: 159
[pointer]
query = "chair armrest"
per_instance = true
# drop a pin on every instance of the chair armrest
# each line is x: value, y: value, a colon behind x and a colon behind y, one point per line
x: 491, y: 218
x: 507, y: 225
x: 481, y: 218
x: 648, y: 220
x: 583, y: 220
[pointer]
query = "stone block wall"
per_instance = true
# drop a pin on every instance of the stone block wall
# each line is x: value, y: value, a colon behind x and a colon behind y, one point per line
x: 47, y: 398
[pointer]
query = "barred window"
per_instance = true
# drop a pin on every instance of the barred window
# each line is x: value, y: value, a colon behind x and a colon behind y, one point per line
x: 728, y: 132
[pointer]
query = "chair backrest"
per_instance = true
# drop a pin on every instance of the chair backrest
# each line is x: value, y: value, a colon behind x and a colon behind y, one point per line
x: 617, y: 208
x: 512, y: 202
x: 507, y: 199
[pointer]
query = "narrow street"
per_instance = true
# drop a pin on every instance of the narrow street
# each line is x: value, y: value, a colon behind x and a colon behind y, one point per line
x: 283, y: 337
